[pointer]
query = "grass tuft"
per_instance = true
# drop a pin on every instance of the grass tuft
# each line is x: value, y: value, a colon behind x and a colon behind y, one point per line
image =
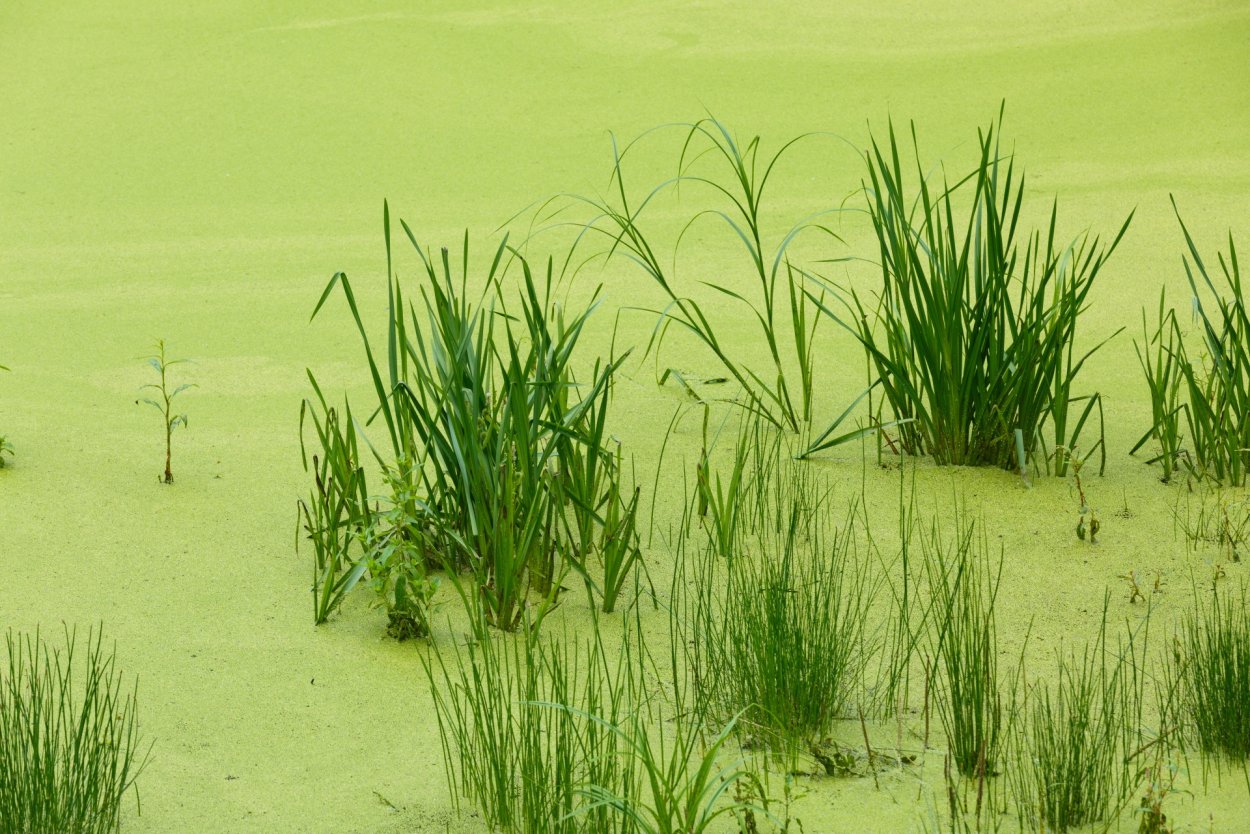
x: 1210, y: 674
x: 1200, y: 401
x: 69, y: 741
x: 1078, y: 738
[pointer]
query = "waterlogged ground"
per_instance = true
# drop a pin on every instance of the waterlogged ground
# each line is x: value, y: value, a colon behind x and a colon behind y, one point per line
x: 197, y: 173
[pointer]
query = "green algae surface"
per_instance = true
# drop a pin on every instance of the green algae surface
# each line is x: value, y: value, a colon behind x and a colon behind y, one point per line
x: 196, y: 174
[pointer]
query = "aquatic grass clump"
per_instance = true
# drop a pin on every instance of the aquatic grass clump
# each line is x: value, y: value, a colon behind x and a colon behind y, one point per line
x: 1209, y: 673
x: 69, y: 739
x: 498, y: 456
x: 778, y: 625
x: 337, y: 512
x: 973, y: 335
x: 1200, y: 401
x: 527, y: 724
x: 1077, y: 740
x: 963, y: 588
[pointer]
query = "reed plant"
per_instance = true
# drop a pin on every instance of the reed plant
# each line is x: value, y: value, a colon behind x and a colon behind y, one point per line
x: 1079, y: 739
x: 973, y: 334
x: 70, y: 748
x: 336, y: 514
x: 730, y: 178
x: 1209, y: 672
x: 490, y: 430
x: 1200, y: 400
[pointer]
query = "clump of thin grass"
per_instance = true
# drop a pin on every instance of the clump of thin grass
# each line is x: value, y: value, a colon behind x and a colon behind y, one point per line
x: 69, y: 739
x: 973, y: 333
x: 963, y: 587
x: 1209, y: 672
x: 1078, y: 738
x: 1220, y: 520
x: 778, y: 622
x: 528, y: 724
x: 1200, y: 401
x: 565, y: 737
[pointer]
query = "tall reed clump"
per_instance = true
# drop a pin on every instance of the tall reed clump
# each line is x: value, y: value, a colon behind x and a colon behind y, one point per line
x: 973, y: 335
x: 69, y: 740
x: 963, y: 587
x: 1078, y: 740
x: 777, y: 613
x: 1209, y: 674
x: 499, y: 462
x: 729, y: 178
x: 1200, y: 401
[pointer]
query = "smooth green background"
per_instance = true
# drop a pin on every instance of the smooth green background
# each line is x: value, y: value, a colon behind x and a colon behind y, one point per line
x: 197, y: 172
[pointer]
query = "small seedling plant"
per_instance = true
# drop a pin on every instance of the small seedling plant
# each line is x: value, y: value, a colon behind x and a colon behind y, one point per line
x: 5, y: 447
x: 162, y: 399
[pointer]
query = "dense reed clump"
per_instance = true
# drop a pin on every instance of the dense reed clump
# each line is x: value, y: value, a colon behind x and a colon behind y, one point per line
x: 69, y: 741
x: 1209, y: 673
x: 973, y: 335
x: 1077, y: 739
x: 963, y: 587
x: 499, y: 461
x: 1200, y: 400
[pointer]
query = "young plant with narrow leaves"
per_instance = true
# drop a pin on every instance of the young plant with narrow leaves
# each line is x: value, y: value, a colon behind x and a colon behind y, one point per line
x: 163, y: 401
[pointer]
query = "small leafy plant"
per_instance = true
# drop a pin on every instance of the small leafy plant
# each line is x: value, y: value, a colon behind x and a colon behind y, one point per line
x: 1087, y: 522
x: 69, y: 740
x: 5, y: 447
x: 163, y: 401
